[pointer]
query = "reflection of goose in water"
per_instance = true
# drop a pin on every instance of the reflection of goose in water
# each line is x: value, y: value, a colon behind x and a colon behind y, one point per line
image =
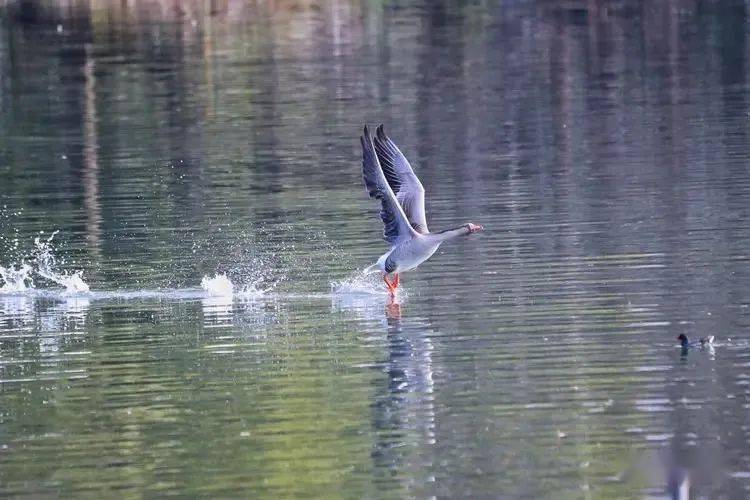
x: 404, y: 408
x: 403, y: 411
x: 389, y: 177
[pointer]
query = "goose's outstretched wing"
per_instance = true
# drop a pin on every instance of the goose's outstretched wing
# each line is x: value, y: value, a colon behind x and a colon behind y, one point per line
x: 396, y: 224
x: 402, y: 179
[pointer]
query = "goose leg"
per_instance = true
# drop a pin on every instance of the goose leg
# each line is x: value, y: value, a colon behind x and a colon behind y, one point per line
x: 388, y: 283
x: 391, y: 285
x: 395, y: 281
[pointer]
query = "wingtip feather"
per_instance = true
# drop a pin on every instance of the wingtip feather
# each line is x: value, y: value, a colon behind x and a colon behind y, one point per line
x: 380, y: 132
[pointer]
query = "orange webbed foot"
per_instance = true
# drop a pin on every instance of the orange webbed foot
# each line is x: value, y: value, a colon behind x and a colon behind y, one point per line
x: 392, y: 286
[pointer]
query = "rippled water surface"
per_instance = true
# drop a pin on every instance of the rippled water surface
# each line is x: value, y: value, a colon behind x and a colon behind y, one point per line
x: 183, y: 228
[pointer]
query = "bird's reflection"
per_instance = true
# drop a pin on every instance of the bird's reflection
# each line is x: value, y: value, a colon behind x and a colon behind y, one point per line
x: 403, y: 412
x: 662, y: 468
x: 392, y: 310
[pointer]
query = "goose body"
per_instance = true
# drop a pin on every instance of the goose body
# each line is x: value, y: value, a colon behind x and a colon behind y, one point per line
x: 389, y: 178
x: 407, y: 255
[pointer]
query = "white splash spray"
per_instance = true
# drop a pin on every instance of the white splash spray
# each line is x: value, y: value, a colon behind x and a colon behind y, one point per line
x: 218, y: 286
x: 221, y: 286
x: 359, y: 283
x: 46, y: 267
x: 16, y: 279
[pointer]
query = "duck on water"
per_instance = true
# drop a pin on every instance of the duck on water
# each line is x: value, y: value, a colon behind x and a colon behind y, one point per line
x: 685, y: 342
x: 389, y: 178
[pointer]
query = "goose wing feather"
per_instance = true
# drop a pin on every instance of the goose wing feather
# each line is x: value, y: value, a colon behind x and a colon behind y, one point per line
x: 395, y: 222
x: 402, y: 180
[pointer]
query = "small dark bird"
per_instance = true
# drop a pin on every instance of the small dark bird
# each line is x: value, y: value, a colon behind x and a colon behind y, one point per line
x: 703, y: 341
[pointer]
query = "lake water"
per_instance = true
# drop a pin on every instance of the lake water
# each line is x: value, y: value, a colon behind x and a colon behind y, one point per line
x: 198, y: 167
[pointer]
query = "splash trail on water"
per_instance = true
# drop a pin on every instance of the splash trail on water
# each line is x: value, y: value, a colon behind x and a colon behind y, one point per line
x: 245, y: 281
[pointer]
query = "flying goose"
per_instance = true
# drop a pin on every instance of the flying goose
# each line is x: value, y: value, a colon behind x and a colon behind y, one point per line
x: 389, y: 178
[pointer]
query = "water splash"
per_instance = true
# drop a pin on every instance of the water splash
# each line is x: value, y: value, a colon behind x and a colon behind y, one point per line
x: 46, y: 267
x: 251, y: 292
x: 366, y: 295
x: 359, y: 283
x: 217, y: 306
x: 218, y: 286
x: 16, y: 279
x: 248, y: 280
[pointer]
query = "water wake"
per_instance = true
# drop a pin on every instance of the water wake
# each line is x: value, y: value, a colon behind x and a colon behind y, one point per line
x: 244, y: 282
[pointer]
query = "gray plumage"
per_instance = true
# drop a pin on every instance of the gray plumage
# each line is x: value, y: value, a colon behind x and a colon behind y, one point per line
x: 396, y: 225
x: 402, y: 180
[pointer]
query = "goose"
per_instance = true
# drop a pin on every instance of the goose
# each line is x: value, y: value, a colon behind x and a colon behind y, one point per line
x: 389, y: 178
